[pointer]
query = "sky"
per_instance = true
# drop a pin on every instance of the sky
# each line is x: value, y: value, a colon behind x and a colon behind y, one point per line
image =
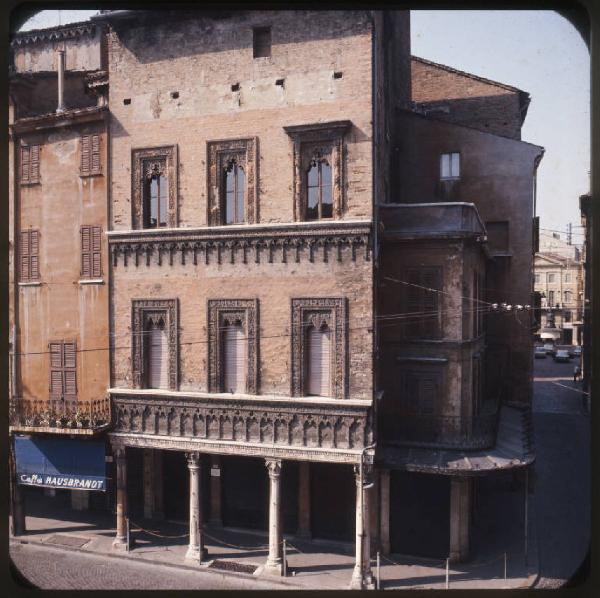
x: 537, y: 51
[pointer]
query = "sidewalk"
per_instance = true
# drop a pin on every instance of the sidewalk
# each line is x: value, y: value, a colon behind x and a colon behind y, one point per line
x: 311, y: 564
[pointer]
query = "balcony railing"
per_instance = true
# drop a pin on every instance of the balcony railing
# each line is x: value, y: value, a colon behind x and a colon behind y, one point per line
x: 59, y: 415
x: 440, y: 431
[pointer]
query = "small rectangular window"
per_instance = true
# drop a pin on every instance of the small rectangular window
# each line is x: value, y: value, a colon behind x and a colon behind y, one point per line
x: 91, y: 261
x: 29, y: 258
x: 422, y: 303
x: 261, y: 42
x: 567, y: 277
x: 551, y: 277
x: 537, y: 278
x: 449, y: 166
x: 30, y: 164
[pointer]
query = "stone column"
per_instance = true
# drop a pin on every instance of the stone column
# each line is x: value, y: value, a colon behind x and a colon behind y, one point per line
x: 120, y: 541
x: 153, y: 484
x: 274, y: 564
x: 384, y: 511
x: 460, y: 514
x: 361, y: 576
x: 304, y: 500
x: 159, y: 501
x: 196, y: 550
x: 216, y: 517
x: 80, y: 500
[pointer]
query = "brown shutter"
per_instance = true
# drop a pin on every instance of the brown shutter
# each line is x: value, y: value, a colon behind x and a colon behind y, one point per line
x: 95, y: 163
x: 427, y: 394
x: 96, y: 254
x: 24, y: 165
x: 86, y: 258
x: 24, y: 257
x: 34, y: 174
x: 85, y: 154
x: 34, y: 263
x: 56, y: 373
x: 70, y: 369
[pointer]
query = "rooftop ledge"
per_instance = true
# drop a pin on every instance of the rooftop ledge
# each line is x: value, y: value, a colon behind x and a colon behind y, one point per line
x: 224, y: 396
x: 432, y: 220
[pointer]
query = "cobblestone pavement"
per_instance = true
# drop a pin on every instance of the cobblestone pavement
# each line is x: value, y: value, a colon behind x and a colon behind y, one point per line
x: 562, y: 492
x: 56, y: 569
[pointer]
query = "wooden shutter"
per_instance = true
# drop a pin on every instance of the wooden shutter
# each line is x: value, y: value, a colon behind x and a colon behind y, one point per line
x: 85, y: 154
x: 25, y: 165
x: 319, y: 362
x: 34, y: 260
x: 427, y: 395
x: 70, y: 370
x: 234, y: 359
x: 86, y: 254
x: 25, y: 273
x: 95, y: 159
x: 96, y: 254
x: 56, y: 369
x: 158, y: 358
x: 34, y: 165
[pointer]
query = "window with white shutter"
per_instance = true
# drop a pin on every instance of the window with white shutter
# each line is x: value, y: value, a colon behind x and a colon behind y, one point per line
x: 157, y: 357
x: 91, y: 263
x: 29, y: 256
x: 318, y: 361
x: 234, y: 358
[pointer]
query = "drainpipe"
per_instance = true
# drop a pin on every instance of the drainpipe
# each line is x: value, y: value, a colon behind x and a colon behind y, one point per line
x: 61, y: 81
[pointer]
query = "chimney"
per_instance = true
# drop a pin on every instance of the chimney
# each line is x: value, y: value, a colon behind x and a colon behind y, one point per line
x: 61, y: 81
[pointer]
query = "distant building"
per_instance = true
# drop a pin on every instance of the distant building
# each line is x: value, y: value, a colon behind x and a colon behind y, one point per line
x: 585, y: 204
x: 558, y: 279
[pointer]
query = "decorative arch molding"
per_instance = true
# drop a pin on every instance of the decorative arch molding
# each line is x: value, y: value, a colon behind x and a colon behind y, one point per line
x: 155, y: 311
x: 220, y: 154
x: 226, y: 311
x: 332, y: 312
x: 318, y: 142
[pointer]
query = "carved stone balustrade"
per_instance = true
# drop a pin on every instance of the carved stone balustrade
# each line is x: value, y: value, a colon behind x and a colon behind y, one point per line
x: 283, y: 243
x: 265, y: 426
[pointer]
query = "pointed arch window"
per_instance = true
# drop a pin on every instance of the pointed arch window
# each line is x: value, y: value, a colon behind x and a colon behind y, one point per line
x: 233, y: 193
x: 157, y: 363
x: 234, y: 356
x: 318, y: 361
x: 319, y: 190
x: 155, y: 196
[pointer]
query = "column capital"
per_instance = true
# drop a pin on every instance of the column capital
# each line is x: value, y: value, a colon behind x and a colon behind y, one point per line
x: 193, y: 460
x: 274, y: 467
x: 118, y: 452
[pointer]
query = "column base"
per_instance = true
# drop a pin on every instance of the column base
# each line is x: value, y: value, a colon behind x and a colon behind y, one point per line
x: 274, y: 567
x: 361, y: 581
x: 457, y: 557
x: 120, y: 543
x: 195, y: 554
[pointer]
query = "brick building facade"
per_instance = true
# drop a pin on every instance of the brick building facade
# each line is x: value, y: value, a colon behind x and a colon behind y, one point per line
x: 293, y: 302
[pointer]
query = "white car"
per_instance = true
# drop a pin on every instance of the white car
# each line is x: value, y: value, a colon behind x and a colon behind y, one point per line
x: 562, y: 355
x: 539, y: 353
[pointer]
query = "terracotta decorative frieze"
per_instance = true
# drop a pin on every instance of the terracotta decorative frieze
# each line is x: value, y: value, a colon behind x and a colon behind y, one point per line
x: 318, y: 141
x: 145, y: 163
x: 291, y: 244
x: 316, y: 312
x: 220, y: 154
x: 143, y: 311
x: 221, y: 312
x: 238, y: 421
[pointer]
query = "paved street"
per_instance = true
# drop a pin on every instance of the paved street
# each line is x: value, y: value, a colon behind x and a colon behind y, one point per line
x: 56, y: 569
x: 562, y: 493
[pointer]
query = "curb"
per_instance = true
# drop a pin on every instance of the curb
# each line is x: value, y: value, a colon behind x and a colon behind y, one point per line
x: 197, y: 569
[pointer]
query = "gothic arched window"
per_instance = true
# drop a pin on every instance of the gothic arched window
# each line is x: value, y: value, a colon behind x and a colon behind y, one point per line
x: 233, y: 193
x: 155, y: 197
x: 319, y: 196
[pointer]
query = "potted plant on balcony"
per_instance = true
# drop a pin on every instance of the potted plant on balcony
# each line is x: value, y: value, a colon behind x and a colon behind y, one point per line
x: 81, y: 419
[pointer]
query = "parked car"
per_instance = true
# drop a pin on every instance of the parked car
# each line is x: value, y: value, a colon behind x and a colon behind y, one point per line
x: 575, y: 351
x: 562, y: 355
x: 550, y: 349
x: 540, y: 353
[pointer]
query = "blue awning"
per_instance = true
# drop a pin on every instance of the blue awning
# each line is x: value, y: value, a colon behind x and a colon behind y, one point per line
x: 73, y: 464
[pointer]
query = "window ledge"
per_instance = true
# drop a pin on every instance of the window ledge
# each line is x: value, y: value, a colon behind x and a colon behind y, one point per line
x: 33, y: 283
x: 89, y: 174
x: 91, y: 281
